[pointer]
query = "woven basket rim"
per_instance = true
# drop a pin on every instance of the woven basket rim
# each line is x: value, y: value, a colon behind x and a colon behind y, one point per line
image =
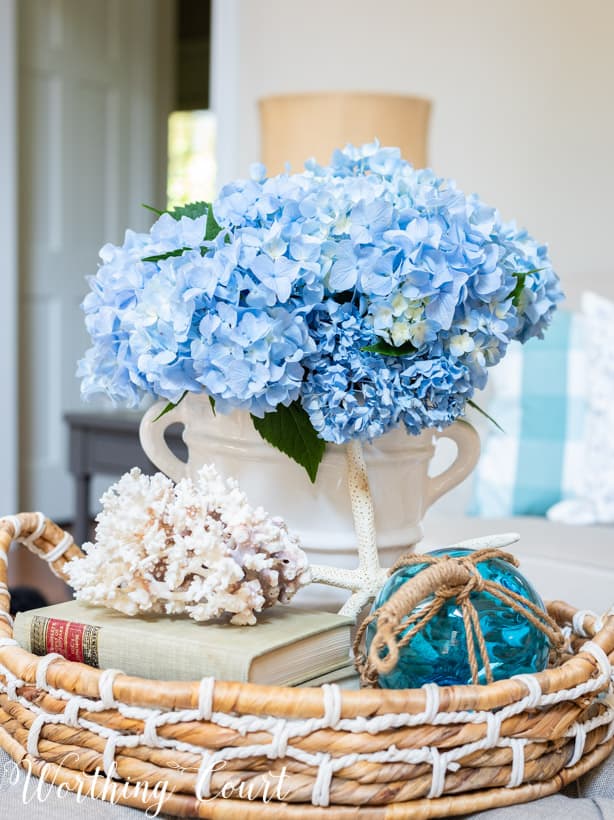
x: 246, y: 695
x: 567, y: 697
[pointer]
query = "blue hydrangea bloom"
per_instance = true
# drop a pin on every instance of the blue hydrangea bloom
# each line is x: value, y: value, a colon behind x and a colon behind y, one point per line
x: 349, y: 392
x: 309, y: 270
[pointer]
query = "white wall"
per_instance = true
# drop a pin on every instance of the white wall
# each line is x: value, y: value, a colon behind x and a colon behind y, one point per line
x: 94, y: 96
x: 8, y: 269
x: 522, y: 90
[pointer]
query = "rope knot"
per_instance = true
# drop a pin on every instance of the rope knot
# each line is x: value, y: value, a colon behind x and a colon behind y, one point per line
x: 475, y: 580
x: 421, y: 597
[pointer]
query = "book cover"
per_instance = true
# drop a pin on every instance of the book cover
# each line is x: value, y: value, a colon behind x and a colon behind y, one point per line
x: 286, y: 647
x: 346, y: 677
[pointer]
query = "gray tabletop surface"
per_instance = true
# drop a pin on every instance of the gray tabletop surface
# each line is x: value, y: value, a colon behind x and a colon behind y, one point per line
x: 22, y: 798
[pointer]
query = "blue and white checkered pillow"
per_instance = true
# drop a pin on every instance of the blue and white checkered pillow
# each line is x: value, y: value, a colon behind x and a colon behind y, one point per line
x: 539, y: 401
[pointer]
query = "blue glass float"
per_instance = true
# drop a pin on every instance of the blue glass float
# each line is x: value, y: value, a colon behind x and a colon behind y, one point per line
x: 438, y: 653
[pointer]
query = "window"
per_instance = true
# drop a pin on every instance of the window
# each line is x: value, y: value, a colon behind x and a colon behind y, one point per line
x: 191, y: 126
x: 191, y: 157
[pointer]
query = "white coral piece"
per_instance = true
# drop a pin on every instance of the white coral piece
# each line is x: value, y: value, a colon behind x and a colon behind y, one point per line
x: 194, y: 547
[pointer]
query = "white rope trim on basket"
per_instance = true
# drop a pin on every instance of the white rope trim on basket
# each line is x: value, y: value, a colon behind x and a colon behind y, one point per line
x: 105, y: 687
x: 14, y: 520
x: 493, y: 731
x: 279, y: 743
x: 59, y: 550
x: 431, y: 692
x: 108, y: 756
x: 605, y: 667
x: 441, y: 762
x: 580, y: 734
x: 34, y: 732
x: 299, y: 728
x: 71, y: 712
x: 582, y: 614
x: 535, y: 691
x: 438, y: 776
x: 12, y: 686
x: 43, y: 665
x: 203, y: 778
x: 282, y: 730
x: 150, y: 734
x: 29, y: 540
x: 517, y: 745
x: 206, y: 689
x: 6, y: 641
x: 567, y: 633
x: 578, y: 621
x: 320, y: 793
x: 331, y: 695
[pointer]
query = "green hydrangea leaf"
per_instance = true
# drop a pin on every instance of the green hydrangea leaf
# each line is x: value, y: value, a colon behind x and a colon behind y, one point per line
x: 151, y: 208
x: 483, y: 412
x: 289, y: 430
x: 193, y: 210
x: 213, y: 228
x: 170, y: 406
x: 166, y: 255
x: 521, y: 278
x: 196, y: 209
x: 386, y: 349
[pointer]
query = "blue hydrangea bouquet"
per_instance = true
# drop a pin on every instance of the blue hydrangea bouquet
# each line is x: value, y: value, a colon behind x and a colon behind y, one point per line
x: 333, y: 304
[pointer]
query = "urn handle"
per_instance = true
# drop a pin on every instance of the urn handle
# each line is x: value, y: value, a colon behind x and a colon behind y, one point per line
x: 467, y: 442
x: 151, y: 434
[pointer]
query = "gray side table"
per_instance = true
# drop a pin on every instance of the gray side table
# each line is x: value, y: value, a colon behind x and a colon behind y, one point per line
x: 108, y: 444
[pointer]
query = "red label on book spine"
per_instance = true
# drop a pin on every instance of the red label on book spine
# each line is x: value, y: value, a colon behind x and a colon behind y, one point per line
x: 75, y: 641
x: 66, y: 638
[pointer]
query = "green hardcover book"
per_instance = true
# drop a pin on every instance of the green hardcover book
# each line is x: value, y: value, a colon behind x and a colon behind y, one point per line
x: 287, y: 647
x: 346, y: 677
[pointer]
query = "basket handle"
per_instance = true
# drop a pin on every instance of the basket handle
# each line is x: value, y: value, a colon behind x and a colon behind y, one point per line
x: 42, y: 537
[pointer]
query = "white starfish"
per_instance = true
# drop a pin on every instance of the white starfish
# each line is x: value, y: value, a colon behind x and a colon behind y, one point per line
x: 368, y: 578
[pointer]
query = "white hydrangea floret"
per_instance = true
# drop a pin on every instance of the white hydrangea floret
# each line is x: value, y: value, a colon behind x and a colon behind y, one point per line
x: 195, y: 547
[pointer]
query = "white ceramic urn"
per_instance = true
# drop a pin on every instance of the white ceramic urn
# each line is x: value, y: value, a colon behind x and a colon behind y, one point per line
x: 319, y: 513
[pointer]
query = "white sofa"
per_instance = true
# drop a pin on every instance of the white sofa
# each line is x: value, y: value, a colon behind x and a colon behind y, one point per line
x: 575, y: 564
x: 572, y: 563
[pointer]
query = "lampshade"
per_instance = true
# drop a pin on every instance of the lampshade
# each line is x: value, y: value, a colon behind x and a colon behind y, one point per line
x: 295, y: 127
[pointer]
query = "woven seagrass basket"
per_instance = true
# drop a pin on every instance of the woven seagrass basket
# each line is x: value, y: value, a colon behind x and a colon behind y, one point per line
x: 419, y: 753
